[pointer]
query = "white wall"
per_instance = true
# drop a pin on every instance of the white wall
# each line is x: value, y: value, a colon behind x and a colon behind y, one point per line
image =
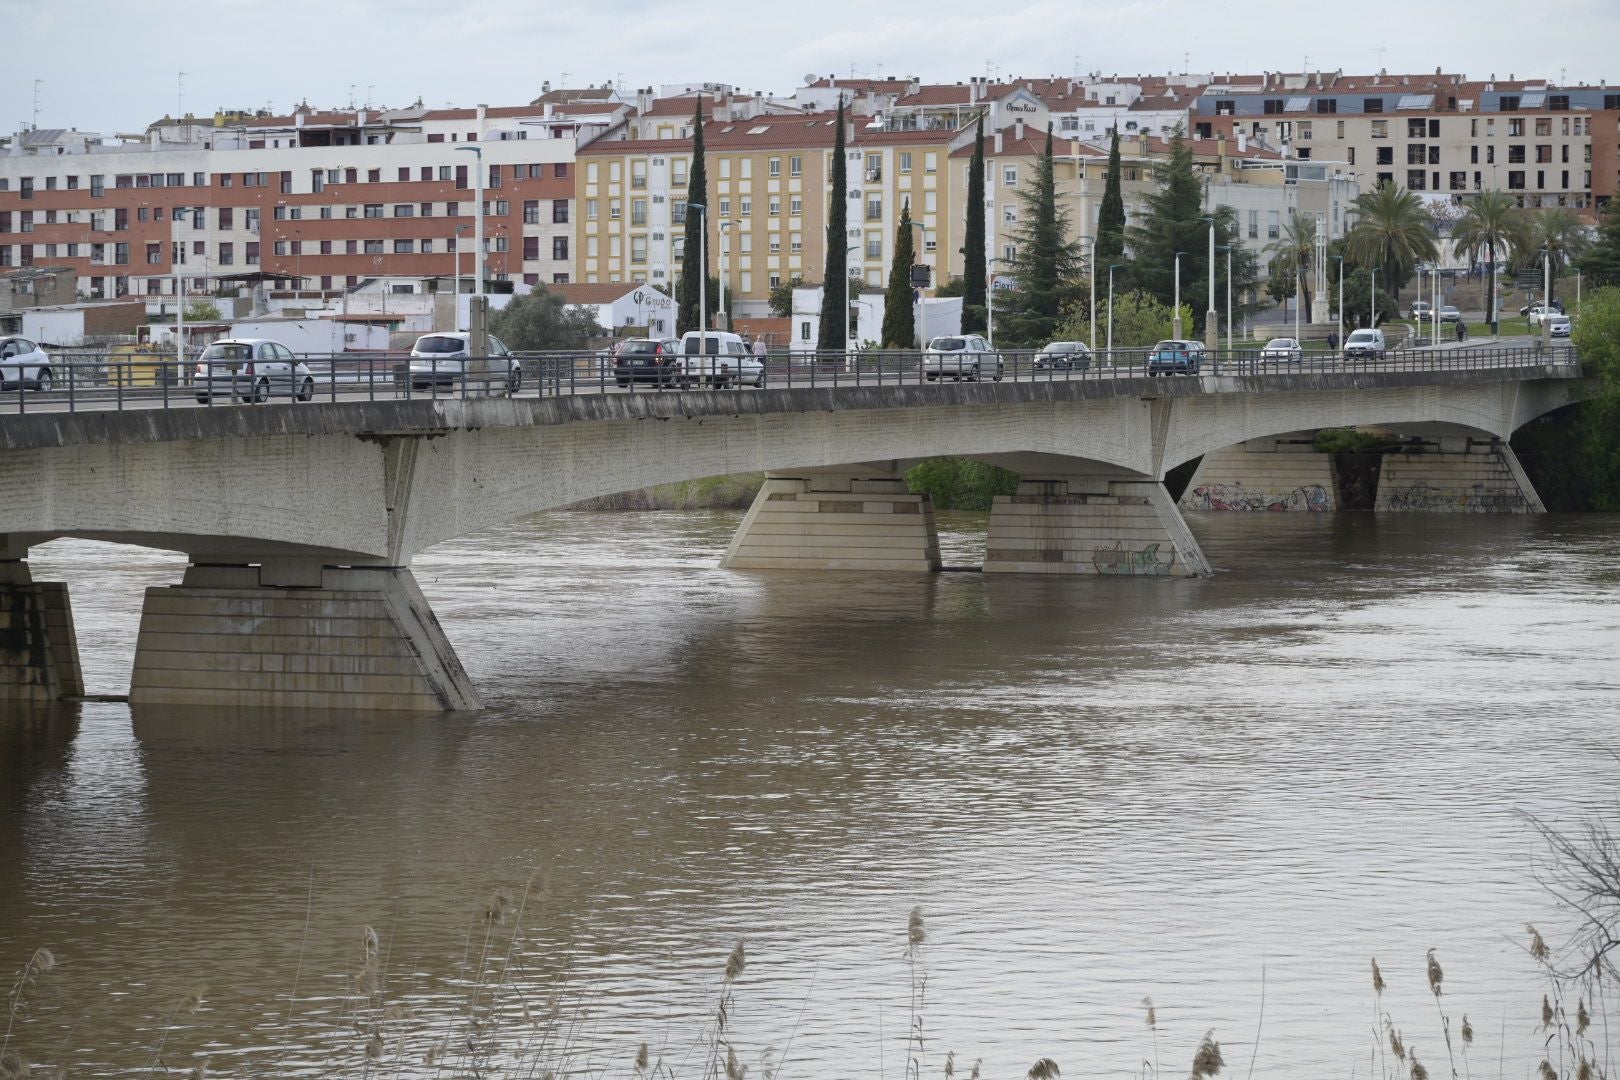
x: 53, y: 327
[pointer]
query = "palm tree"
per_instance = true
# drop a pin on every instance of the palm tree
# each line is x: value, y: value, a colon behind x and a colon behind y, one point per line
x: 1296, y: 249
x: 1560, y: 232
x: 1392, y: 233
x: 1492, y: 222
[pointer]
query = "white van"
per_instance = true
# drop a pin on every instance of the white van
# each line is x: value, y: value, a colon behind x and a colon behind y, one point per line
x: 717, y: 358
x: 1364, y: 343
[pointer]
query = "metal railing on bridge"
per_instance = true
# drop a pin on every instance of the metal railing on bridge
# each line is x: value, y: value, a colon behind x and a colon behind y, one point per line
x: 120, y: 381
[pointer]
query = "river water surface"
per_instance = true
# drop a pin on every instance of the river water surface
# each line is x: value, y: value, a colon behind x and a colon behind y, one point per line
x: 1225, y: 794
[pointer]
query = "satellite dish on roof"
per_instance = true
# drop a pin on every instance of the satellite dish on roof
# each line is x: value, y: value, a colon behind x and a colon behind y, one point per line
x: 810, y: 78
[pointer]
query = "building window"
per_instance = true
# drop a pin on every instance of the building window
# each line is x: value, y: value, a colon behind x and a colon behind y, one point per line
x: 559, y: 248
x: 1273, y: 224
x: 796, y: 166
x: 1009, y: 176
x: 874, y: 208
x: 1327, y: 105
x: 559, y: 211
x: 776, y: 166
x: 1380, y: 129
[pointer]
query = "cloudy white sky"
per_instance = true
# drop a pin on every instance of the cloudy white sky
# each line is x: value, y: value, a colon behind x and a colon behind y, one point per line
x: 109, y: 65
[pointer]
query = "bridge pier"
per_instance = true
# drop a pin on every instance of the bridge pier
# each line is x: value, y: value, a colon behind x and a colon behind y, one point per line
x: 1457, y: 475
x: 836, y: 521
x: 1091, y: 525
x: 292, y: 633
x: 39, y: 653
x: 1281, y: 473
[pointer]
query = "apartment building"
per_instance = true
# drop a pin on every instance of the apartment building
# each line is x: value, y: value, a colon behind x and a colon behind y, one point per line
x: 768, y: 189
x: 318, y: 200
x: 1440, y: 134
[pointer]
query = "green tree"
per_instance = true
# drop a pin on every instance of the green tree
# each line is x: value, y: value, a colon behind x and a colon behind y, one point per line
x: 781, y: 298
x: 1111, y: 217
x: 961, y: 483
x: 542, y: 320
x: 973, y: 264
x: 1175, y: 220
x: 697, y: 222
x: 1558, y: 231
x: 1140, y: 319
x: 1358, y: 299
x: 1601, y: 263
x: 899, y: 320
x: 202, y: 311
x: 954, y: 287
x: 711, y: 297
x: 1573, y: 455
x: 834, y: 331
x: 1488, y: 229
x: 1392, y: 233
x: 1046, y: 260
x: 1292, y: 254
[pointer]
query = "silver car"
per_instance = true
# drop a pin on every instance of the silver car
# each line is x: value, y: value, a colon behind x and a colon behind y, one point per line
x: 445, y: 359
x: 251, y: 370
x: 24, y: 365
x: 961, y: 356
x: 1282, y: 348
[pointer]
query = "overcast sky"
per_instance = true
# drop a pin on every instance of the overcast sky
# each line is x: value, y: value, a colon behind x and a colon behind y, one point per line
x: 112, y: 65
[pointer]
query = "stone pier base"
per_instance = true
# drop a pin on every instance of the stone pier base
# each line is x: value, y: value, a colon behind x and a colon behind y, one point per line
x: 39, y: 654
x: 832, y: 522
x: 296, y: 635
x: 1091, y: 525
x: 1263, y: 474
x: 1461, y: 476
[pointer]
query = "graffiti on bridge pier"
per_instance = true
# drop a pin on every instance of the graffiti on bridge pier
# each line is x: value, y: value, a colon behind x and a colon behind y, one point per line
x: 1474, y: 499
x: 1145, y: 561
x: 1311, y: 498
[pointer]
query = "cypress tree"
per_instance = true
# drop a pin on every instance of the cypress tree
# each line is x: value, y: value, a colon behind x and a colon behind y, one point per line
x: 899, y: 323
x: 694, y: 266
x: 834, y: 331
x: 973, y: 264
x: 1111, y: 219
x: 1046, y: 257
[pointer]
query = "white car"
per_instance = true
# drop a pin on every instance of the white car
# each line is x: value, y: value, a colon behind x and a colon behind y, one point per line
x: 961, y: 356
x: 1282, y: 348
x: 1558, y: 326
x: 717, y: 358
x: 1367, y: 344
x: 251, y: 370
x: 445, y: 359
x: 1420, y: 310
x: 24, y: 365
x: 1537, y: 312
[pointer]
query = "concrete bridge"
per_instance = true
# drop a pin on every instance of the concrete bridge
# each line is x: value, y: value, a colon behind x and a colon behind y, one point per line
x: 301, y: 521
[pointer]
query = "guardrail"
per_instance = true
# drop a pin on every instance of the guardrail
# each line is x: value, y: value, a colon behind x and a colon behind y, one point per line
x: 124, y: 382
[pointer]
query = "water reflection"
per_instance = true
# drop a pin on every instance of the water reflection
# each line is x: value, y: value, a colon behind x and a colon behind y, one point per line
x: 1097, y: 789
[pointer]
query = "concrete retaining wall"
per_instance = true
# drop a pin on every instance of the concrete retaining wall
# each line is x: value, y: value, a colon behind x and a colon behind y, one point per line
x: 1263, y: 474
x: 1461, y: 476
x: 39, y: 652
x: 1090, y: 525
x: 359, y: 639
x: 822, y: 522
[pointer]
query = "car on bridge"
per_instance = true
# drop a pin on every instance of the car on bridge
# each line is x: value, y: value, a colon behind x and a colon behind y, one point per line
x: 724, y: 359
x: 1175, y: 357
x: 1064, y: 356
x: 1558, y: 326
x: 1450, y: 314
x: 24, y: 365
x: 445, y: 359
x: 1364, y: 344
x: 651, y: 360
x: 251, y: 370
x: 961, y: 356
x: 1421, y: 310
x: 1282, y: 348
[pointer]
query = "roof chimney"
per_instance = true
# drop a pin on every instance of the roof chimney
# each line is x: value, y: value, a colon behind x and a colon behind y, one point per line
x: 1018, y: 130
x: 998, y: 142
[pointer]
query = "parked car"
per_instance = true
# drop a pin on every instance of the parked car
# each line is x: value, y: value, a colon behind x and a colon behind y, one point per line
x: 1368, y: 344
x: 1450, y: 314
x: 646, y: 360
x: 1533, y: 311
x: 445, y: 359
x: 717, y: 358
x: 251, y: 370
x: 1558, y: 326
x: 24, y: 365
x: 1064, y: 356
x: 1175, y: 357
x: 1282, y: 348
x: 1421, y: 310
x: 961, y: 356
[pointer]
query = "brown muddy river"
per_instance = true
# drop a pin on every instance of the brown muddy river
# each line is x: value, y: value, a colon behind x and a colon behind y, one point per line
x: 1214, y: 793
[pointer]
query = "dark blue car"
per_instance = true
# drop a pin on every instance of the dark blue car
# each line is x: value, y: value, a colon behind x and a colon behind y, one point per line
x: 1175, y: 358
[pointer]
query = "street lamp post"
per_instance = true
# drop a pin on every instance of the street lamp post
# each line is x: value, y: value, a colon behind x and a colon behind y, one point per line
x: 1111, y: 268
x: 1434, y: 292
x: 478, y: 220
x: 725, y: 270
x: 456, y: 240
x: 298, y: 262
x: 1372, y: 298
x: 1211, y: 322
x: 1546, y: 297
x: 176, y: 255
x: 990, y: 300
x: 1175, y: 319
x: 1228, y: 249
x: 1340, y: 259
x: 703, y: 276
x: 1091, y: 274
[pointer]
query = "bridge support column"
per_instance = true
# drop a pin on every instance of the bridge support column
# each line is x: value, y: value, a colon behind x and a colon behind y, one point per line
x: 836, y: 522
x: 1461, y: 475
x: 1278, y: 474
x: 39, y: 654
x: 1091, y: 525
x: 295, y: 634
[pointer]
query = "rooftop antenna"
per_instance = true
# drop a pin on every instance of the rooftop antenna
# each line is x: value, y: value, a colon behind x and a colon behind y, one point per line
x: 38, y: 83
x: 351, y: 96
x: 1381, y: 59
x: 1186, y: 62
x: 180, y: 95
x: 369, y: 88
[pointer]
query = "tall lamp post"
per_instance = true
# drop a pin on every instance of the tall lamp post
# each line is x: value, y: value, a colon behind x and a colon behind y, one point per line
x: 725, y: 270
x: 844, y: 317
x: 1228, y: 249
x: 1546, y: 297
x: 1372, y: 298
x: 1091, y: 274
x: 1175, y: 319
x: 177, y: 256
x: 1111, y: 268
x: 990, y: 300
x: 1211, y: 322
x: 478, y: 220
x: 1340, y: 260
x: 703, y: 276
